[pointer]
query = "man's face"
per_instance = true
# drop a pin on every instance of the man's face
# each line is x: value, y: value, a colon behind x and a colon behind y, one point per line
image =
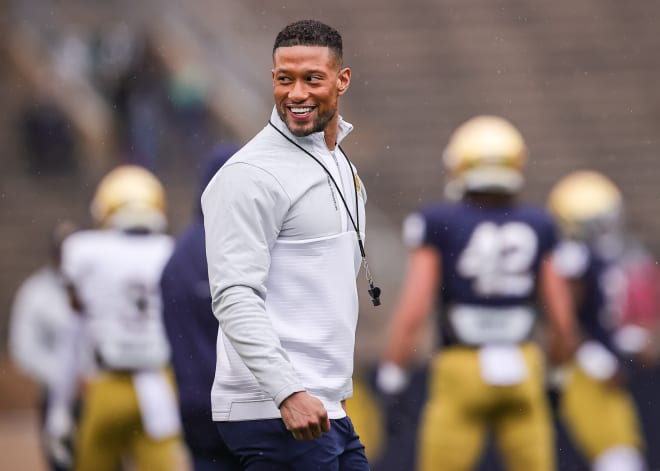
x: 307, y: 83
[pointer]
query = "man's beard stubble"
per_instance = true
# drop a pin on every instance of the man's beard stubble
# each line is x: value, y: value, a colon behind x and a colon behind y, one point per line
x: 318, y: 125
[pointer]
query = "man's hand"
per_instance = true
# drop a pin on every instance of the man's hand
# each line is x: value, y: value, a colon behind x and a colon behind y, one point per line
x: 304, y: 416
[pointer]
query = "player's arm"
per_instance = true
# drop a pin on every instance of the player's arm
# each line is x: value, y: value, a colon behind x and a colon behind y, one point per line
x: 558, y: 300
x: 59, y: 417
x: 25, y: 347
x: 415, y: 302
x: 74, y: 298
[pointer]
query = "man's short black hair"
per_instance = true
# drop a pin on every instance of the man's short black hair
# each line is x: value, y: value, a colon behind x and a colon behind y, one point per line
x: 310, y: 33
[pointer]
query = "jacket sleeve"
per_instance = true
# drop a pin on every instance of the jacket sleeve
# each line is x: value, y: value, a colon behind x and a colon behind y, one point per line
x: 244, y: 207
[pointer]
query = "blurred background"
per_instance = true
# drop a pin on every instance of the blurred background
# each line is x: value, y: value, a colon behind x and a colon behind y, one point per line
x: 86, y: 85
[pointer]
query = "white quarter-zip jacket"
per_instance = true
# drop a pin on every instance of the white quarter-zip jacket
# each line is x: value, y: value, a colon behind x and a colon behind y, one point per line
x: 283, y: 258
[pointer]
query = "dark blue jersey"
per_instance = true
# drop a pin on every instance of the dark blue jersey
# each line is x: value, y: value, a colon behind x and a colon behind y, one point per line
x: 490, y: 256
x: 192, y: 329
x: 603, y: 289
x: 600, y: 305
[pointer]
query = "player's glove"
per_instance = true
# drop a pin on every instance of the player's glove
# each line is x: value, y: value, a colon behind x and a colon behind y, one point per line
x: 391, y: 379
x: 58, y: 431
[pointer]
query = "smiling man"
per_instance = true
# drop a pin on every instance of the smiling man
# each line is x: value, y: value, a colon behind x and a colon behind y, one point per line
x: 284, y: 221
x: 307, y: 83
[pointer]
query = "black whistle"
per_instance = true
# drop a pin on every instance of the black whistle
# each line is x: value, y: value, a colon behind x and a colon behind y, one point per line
x: 374, y: 292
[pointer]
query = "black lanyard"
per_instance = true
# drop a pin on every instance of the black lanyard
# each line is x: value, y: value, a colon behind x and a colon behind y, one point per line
x: 374, y: 291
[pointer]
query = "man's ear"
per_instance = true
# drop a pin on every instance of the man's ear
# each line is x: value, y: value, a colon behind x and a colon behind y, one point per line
x: 343, y: 80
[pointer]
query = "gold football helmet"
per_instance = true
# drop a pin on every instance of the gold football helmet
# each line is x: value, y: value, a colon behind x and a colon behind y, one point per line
x: 130, y: 197
x: 486, y: 153
x: 586, y: 204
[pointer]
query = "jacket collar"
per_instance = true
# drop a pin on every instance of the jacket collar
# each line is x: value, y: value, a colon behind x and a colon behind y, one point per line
x: 316, y: 139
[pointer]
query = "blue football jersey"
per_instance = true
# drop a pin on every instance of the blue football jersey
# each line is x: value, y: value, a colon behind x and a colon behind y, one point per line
x: 490, y: 256
x: 603, y: 289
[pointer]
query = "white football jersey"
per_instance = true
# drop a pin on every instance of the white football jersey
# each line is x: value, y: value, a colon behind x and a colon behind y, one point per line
x: 117, y: 276
x: 41, y: 317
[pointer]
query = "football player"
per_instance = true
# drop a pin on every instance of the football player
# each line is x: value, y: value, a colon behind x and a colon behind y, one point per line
x: 41, y: 325
x: 129, y: 412
x: 483, y: 259
x: 616, y: 314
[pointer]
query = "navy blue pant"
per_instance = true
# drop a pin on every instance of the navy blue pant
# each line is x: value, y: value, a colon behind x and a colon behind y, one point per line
x: 266, y: 445
x: 211, y: 463
x: 216, y: 459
